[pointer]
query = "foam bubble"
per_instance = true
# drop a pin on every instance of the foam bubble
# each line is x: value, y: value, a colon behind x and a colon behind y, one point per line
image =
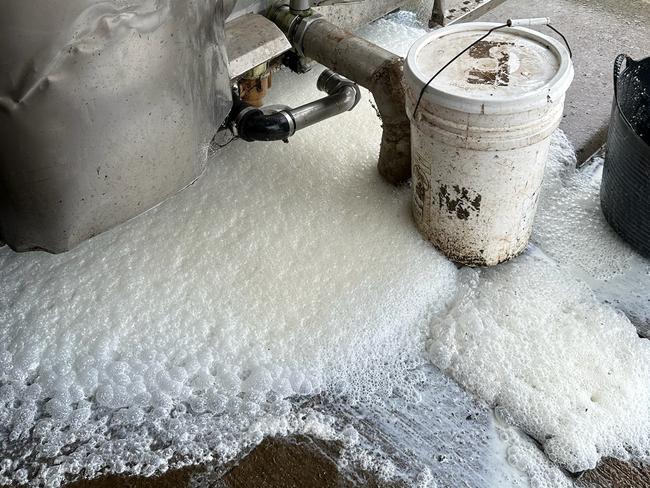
x: 571, y: 228
x: 286, y: 270
x: 540, y: 347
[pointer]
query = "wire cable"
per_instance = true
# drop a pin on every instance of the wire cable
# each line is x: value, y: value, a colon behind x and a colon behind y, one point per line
x: 563, y: 38
x: 508, y: 24
x: 424, y: 88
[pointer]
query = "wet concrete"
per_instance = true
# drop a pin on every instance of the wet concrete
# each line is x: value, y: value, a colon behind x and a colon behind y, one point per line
x: 292, y: 462
x: 304, y: 462
x: 613, y: 473
x: 298, y: 462
x: 450, y: 434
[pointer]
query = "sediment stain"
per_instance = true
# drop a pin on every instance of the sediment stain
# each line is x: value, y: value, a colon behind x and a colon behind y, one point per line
x: 460, y: 201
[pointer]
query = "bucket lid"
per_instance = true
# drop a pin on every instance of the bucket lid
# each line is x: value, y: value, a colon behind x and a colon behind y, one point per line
x: 512, y: 70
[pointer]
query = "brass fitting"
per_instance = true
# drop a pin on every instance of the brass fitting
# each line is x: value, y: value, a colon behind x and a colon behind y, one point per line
x: 255, y: 85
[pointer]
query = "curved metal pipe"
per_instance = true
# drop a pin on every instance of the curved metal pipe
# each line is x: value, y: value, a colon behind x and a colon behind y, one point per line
x: 369, y: 65
x: 253, y: 124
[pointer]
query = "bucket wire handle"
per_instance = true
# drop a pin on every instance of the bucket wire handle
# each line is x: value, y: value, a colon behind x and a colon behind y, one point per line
x: 510, y: 23
x: 424, y: 88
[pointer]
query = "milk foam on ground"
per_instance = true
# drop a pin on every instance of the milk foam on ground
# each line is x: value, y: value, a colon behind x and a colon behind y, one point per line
x: 572, y: 229
x: 540, y: 348
x: 286, y: 270
x: 532, y: 339
x: 290, y: 270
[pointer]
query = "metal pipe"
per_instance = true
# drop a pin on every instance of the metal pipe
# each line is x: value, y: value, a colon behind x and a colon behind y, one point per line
x: 297, y: 6
x: 438, y: 16
x: 367, y: 64
x: 378, y: 70
x: 259, y: 125
x: 343, y: 96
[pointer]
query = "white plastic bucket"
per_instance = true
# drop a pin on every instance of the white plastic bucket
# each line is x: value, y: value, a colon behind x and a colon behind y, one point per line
x: 481, y: 135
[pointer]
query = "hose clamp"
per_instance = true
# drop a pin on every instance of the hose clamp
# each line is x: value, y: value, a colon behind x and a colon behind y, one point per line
x: 238, y: 119
x: 290, y: 120
x: 297, y: 37
x: 293, y: 25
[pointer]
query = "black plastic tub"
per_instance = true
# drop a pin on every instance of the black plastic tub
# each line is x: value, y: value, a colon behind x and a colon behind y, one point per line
x: 625, y: 191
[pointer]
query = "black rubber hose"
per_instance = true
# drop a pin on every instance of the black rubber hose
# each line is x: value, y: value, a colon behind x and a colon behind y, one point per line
x: 256, y: 126
x: 253, y: 124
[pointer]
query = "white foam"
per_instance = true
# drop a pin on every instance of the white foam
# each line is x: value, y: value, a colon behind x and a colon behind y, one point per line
x: 398, y: 31
x: 181, y: 336
x: 532, y: 339
x: 571, y: 228
x: 523, y: 455
x: 446, y: 438
x: 286, y: 270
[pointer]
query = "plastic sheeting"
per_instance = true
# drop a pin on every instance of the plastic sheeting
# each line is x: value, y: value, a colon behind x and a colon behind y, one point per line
x: 106, y: 109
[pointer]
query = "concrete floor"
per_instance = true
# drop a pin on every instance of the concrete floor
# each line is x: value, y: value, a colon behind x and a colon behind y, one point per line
x: 597, y: 30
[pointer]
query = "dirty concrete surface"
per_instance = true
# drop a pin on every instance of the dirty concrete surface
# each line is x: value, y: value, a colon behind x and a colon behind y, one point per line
x: 294, y: 462
x: 597, y: 30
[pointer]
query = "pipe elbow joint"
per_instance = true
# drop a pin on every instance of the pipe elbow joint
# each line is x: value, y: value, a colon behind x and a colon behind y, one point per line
x: 253, y: 124
x: 334, y: 84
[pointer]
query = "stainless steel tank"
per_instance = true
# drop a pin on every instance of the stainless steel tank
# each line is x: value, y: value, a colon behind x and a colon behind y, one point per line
x: 106, y: 109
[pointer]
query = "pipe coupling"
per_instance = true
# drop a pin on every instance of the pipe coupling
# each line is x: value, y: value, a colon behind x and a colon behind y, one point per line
x: 294, y: 24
